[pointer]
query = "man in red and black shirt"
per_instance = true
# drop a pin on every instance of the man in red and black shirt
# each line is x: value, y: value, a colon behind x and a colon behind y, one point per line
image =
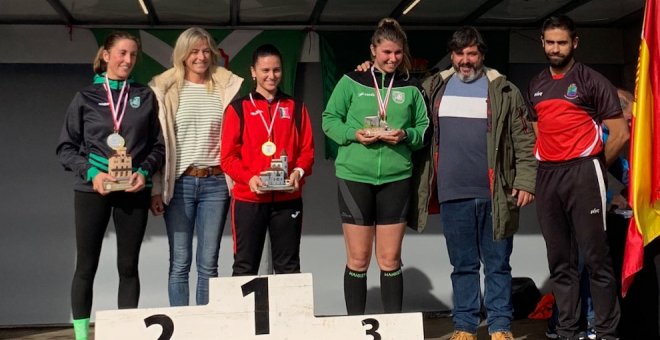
x: 570, y: 102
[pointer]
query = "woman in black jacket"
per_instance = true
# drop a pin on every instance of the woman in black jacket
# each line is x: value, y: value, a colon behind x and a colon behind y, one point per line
x: 106, y: 123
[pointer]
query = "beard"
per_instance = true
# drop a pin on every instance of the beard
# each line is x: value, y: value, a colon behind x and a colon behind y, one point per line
x: 475, y: 72
x: 558, y: 60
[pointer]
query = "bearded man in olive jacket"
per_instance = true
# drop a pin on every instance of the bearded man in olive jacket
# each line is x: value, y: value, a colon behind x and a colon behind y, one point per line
x: 483, y: 158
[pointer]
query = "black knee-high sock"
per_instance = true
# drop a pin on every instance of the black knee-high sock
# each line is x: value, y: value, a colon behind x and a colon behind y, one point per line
x: 391, y: 290
x: 355, y: 291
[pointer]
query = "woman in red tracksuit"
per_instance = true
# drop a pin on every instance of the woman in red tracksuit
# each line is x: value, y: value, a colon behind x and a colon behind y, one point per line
x: 266, y: 130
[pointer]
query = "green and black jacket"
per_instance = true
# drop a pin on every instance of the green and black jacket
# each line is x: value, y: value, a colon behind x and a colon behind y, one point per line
x: 82, y: 146
x: 352, y: 100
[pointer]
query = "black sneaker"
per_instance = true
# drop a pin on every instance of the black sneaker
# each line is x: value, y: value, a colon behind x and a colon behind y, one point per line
x: 591, y: 333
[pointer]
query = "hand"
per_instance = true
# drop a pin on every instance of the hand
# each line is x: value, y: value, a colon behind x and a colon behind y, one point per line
x: 255, y: 183
x: 619, y: 201
x: 365, y: 137
x: 364, y: 67
x: 524, y: 197
x: 97, y: 182
x: 157, y: 208
x: 393, y: 137
x: 137, y: 181
x: 294, y: 179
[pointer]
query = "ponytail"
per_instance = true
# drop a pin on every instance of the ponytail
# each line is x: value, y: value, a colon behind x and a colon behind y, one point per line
x: 99, y: 64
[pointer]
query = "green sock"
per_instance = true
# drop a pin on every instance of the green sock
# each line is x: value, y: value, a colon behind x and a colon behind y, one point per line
x: 81, y: 328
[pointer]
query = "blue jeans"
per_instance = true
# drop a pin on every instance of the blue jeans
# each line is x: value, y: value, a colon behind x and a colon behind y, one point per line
x: 468, y: 230
x: 197, y: 203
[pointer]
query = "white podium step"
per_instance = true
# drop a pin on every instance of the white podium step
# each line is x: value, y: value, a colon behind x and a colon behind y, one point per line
x: 254, y: 307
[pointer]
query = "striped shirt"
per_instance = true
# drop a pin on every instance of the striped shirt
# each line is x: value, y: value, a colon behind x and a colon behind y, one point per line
x: 463, y: 152
x: 198, y: 127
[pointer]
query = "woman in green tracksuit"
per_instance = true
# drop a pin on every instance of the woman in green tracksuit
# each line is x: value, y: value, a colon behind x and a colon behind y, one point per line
x: 378, y: 118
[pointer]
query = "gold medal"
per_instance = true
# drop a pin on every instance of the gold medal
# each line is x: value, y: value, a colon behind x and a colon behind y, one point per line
x: 268, y: 148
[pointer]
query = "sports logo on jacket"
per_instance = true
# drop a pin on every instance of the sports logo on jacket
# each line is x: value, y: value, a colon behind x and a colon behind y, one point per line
x: 398, y: 97
x: 284, y: 113
x: 135, y: 102
x: 571, y: 92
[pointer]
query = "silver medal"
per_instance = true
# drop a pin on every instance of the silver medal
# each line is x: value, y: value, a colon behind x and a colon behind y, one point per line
x: 115, y: 141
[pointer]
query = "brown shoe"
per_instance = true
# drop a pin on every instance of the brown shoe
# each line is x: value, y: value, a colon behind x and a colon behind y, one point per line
x: 460, y: 335
x: 501, y: 336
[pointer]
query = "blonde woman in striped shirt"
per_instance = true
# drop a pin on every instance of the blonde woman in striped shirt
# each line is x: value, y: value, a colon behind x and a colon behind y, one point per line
x: 191, y: 189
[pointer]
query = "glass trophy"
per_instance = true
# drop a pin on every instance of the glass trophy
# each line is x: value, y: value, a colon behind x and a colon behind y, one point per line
x: 375, y: 126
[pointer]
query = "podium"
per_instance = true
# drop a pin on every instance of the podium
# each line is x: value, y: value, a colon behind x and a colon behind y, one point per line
x: 254, y: 307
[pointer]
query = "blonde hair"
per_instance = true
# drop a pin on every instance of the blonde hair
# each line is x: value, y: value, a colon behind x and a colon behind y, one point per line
x: 99, y: 65
x: 389, y: 29
x: 184, y: 45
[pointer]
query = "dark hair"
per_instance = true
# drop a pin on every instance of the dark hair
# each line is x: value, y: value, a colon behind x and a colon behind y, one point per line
x: 389, y: 29
x: 265, y: 50
x: 99, y: 64
x: 560, y: 21
x: 626, y: 99
x: 467, y: 36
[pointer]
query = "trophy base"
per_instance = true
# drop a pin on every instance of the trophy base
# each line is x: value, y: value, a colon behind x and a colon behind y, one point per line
x: 277, y: 188
x: 377, y: 131
x: 120, y: 185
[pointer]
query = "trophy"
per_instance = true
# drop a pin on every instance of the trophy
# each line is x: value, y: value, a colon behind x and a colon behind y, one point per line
x: 120, y: 166
x: 375, y: 126
x: 276, y: 177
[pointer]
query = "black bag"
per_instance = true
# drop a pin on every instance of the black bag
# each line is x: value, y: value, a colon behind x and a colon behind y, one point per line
x: 524, y: 297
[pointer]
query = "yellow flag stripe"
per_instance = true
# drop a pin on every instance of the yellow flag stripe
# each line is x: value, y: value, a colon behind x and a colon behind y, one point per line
x: 646, y: 214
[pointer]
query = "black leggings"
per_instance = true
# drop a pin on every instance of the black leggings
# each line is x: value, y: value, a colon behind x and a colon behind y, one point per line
x: 92, y: 213
x: 368, y: 204
x: 250, y: 220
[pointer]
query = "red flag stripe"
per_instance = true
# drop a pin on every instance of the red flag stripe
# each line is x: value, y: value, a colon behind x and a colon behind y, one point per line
x: 651, y: 34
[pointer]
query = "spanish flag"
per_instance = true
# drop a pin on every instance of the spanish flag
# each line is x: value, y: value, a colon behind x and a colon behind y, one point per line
x: 644, y: 149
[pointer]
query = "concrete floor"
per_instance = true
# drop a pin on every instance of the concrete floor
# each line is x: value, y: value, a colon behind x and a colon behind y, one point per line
x: 436, y: 328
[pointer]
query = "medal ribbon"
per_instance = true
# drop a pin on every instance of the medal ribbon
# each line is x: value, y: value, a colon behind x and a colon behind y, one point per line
x: 114, y: 109
x: 269, y: 129
x: 382, y: 105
